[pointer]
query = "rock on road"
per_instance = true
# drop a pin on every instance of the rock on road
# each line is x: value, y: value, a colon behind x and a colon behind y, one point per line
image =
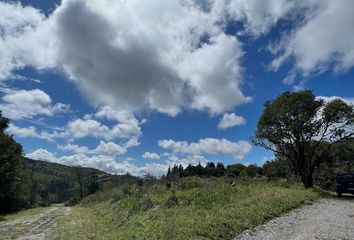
x: 327, y: 219
x: 32, y: 227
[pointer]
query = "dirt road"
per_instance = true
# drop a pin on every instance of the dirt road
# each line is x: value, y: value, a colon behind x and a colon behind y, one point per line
x: 326, y: 219
x: 33, y: 226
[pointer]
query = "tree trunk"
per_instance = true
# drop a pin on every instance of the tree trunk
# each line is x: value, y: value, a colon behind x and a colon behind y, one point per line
x: 81, y: 189
x: 306, y: 178
x: 308, y: 183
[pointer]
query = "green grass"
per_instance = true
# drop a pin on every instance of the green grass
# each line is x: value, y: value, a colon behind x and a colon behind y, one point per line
x: 193, y: 208
x: 24, y: 213
x: 79, y: 224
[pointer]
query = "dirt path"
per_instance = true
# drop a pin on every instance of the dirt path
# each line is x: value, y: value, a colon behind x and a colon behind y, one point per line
x: 33, y: 226
x: 326, y: 219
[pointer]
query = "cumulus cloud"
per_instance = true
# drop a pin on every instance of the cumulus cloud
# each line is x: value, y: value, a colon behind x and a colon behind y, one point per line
x: 105, y: 148
x: 151, y: 155
x: 230, y: 120
x: 128, y: 131
x: 109, y: 148
x: 42, y: 154
x: 29, y: 103
x: 323, y: 41
x: 31, y: 131
x: 209, y: 146
x: 257, y: 17
x: 80, y: 128
x: 26, y: 39
x: 128, y: 57
x: 73, y: 148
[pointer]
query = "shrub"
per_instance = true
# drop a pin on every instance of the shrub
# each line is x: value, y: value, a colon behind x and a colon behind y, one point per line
x: 192, y: 182
x: 283, y: 182
x: 172, y: 200
x: 126, y: 190
x: 147, y: 203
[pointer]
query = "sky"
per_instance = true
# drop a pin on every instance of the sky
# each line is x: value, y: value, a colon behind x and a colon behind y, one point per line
x: 138, y: 86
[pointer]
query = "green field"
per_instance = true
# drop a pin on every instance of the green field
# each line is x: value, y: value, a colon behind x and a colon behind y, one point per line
x: 192, y: 208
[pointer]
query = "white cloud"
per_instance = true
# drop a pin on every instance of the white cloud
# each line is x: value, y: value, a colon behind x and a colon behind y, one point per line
x: 105, y: 148
x: 127, y: 130
x: 209, y: 146
x: 258, y: 17
x: 30, y: 131
x: 42, y: 154
x: 29, y: 103
x: 80, y: 128
x: 22, y: 132
x: 109, y: 148
x: 230, y: 120
x: 74, y: 148
x: 151, y: 155
x: 128, y: 57
x: 325, y: 40
x: 26, y: 39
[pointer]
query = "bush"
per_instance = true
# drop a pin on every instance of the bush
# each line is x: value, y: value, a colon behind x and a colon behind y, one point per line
x: 126, y: 190
x: 172, y: 200
x: 192, y: 182
x: 117, y: 196
x: 147, y: 203
x: 283, y: 182
x: 72, y: 201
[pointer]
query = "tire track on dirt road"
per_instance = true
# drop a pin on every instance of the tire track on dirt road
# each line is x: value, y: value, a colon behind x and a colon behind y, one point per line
x: 34, y: 226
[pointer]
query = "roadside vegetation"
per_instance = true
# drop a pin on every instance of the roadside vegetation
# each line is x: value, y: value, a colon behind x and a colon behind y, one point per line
x: 190, y: 208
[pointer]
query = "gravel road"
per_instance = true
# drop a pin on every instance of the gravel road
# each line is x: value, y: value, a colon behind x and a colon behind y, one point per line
x: 326, y: 219
x: 33, y: 226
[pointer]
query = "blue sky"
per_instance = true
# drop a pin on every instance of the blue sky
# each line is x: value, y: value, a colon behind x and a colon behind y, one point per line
x: 127, y: 86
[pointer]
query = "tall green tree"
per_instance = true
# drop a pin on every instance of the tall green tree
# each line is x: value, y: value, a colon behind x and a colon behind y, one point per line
x: 11, y: 166
x: 297, y: 124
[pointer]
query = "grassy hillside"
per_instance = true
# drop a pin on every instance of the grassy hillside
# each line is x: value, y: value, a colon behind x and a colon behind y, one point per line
x: 58, y: 183
x: 191, y: 208
x: 53, y: 171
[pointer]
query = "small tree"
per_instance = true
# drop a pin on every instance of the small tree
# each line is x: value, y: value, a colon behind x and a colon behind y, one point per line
x: 297, y: 125
x: 79, y: 172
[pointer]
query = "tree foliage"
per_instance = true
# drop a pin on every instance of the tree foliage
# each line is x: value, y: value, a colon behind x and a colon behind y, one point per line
x: 11, y: 170
x: 297, y: 124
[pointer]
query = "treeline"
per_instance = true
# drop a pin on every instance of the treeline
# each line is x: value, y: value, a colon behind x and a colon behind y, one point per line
x: 212, y: 170
x: 339, y: 160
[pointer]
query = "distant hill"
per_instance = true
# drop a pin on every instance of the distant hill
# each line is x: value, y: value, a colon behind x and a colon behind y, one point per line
x: 59, y: 183
x: 55, y: 171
